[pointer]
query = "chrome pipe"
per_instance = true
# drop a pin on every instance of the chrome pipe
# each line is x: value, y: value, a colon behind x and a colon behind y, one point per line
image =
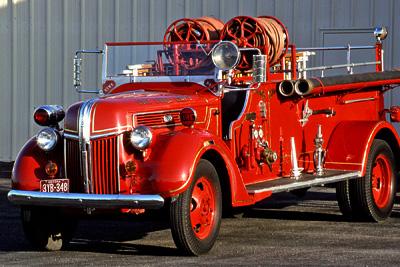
x: 319, y: 153
x: 286, y: 88
x: 295, y: 172
x: 78, y: 200
x: 302, y: 87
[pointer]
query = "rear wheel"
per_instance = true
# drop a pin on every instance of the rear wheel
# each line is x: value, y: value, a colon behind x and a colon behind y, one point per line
x: 374, y: 194
x: 47, y: 228
x: 196, y: 215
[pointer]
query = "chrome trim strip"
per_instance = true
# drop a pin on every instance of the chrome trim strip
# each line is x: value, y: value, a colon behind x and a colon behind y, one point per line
x: 359, y: 100
x: 71, y: 136
x: 107, y: 201
x: 199, y: 79
x: 156, y: 112
x: 84, y: 140
x: 65, y: 158
x: 165, y: 125
x: 118, y: 171
x: 240, y: 115
x: 90, y: 166
x: 308, y: 183
x: 98, y: 136
x: 142, y: 79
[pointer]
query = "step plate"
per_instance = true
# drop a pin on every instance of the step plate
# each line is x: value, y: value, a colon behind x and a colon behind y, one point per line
x: 306, y: 180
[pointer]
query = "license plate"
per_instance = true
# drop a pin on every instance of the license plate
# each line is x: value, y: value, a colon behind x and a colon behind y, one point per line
x: 55, y: 185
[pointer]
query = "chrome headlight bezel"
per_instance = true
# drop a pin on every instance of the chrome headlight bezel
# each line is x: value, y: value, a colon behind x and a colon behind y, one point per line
x: 141, y: 137
x: 47, y: 139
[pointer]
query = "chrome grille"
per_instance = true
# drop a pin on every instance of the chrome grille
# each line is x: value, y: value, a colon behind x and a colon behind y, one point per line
x: 104, y: 167
x: 158, y: 119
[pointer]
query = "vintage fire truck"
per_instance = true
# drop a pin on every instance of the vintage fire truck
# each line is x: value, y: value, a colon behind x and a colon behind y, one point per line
x: 216, y: 116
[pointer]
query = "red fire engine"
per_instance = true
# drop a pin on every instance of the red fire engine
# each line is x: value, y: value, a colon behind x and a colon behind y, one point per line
x: 216, y: 116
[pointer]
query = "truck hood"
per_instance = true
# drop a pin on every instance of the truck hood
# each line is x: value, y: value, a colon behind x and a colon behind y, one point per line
x: 121, y: 112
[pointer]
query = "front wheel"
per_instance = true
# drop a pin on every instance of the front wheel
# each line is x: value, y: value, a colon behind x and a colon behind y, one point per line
x: 47, y: 228
x: 195, y: 216
x: 374, y: 194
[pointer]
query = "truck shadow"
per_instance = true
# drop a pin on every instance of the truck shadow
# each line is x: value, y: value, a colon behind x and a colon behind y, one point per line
x: 322, y: 207
x: 109, y: 247
x: 119, y: 236
x: 93, y: 234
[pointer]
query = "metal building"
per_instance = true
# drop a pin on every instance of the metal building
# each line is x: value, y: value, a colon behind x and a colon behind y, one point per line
x: 38, y: 39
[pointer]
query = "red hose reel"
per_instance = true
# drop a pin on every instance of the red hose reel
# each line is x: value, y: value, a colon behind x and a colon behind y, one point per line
x: 265, y: 33
x: 198, y: 29
x: 191, y: 30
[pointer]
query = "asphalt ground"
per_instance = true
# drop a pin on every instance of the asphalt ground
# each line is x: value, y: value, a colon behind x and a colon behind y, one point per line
x: 279, y: 231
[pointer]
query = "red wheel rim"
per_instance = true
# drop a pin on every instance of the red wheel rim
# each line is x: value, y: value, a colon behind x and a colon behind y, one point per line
x: 381, y: 181
x: 202, y: 208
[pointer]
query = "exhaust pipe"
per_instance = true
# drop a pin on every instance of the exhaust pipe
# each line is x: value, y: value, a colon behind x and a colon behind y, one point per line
x: 286, y: 88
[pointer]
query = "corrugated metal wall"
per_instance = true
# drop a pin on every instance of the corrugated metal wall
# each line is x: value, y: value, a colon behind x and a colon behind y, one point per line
x: 38, y: 39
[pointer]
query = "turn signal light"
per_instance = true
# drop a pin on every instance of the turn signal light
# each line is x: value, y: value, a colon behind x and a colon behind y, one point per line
x: 188, y: 116
x: 51, y: 169
x: 130, y: 167
x: 48, y: 115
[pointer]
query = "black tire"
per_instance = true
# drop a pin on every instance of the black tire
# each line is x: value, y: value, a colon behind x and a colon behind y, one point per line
x: 193, y: 238
x: 47, y: 228
x: 343, y: 198
x: 374, y: 194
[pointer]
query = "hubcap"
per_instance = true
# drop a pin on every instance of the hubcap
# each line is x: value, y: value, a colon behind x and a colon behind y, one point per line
x: 381, y: 181
x: 202, y: 208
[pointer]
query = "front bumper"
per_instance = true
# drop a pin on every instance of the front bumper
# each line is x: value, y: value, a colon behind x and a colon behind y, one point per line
x: 77, y: 200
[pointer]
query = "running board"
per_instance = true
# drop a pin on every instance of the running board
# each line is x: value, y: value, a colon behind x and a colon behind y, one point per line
x: 306, y: 180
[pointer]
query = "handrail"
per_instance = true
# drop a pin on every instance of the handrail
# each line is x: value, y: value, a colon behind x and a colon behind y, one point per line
x: 302, y: 67
x: 329, y: 48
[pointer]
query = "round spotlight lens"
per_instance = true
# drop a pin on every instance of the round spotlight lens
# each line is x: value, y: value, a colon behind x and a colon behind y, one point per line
x: 225, y: 55
x: 47, y: 139
x: 141, y: 137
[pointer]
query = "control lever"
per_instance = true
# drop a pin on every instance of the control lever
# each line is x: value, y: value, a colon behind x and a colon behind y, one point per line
x: 307, y: 112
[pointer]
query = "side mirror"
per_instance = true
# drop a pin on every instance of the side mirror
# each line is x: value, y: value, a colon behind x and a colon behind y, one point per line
x: 77, y: 70
x: 225, y: 55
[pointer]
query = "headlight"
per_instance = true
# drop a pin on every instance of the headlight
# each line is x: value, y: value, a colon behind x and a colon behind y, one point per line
x: 47, y: 139
x: 141, y: 137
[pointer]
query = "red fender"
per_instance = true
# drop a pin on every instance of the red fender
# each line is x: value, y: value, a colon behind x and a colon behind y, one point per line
x: 173, y: 160
x: 350, y: 143
x: 29, y: 165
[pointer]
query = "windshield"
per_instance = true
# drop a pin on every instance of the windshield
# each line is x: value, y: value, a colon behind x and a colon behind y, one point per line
x: 158, y: 59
